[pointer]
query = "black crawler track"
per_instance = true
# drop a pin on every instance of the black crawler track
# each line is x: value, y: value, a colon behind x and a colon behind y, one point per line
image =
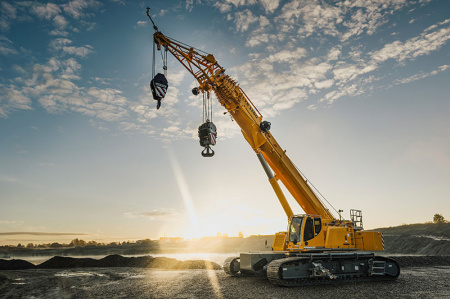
x: 275, y: 270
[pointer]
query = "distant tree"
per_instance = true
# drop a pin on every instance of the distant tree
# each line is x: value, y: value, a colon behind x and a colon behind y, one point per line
x: 55, y: 245
x: 19, y: 245
x: 144, y: 242
x: 92, y: 243
x: 241, y: 235
x: 30, y: 245
x: 76, y: 242
x: 438, y: 218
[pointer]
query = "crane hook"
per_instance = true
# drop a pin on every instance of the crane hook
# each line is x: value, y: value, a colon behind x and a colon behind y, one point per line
x: 207, y: 152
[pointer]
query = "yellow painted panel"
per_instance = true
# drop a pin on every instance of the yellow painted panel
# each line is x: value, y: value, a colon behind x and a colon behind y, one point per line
x: 279, y: 242
x: 369, y: 241
x: 338, y: 237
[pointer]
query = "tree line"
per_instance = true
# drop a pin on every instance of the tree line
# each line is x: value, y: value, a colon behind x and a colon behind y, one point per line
x: 81, y: 243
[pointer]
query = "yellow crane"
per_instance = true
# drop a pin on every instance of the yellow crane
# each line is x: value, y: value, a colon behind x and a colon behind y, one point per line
x: 316, y: 247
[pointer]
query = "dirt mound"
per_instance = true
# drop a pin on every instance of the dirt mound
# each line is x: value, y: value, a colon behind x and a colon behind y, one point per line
x: 419, y: 245
x: 421, y: 261
x: 58, y: 262
x: 419, y: 229
x: 116, y: 260
x: 15, y: 265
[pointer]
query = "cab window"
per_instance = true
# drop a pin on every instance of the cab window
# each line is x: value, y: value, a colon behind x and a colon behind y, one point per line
x: 317, y: 225
x: 309, y: 229
x: 295, y: 228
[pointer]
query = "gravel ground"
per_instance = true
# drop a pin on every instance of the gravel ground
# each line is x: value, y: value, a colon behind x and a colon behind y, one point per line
x: 423, y: 282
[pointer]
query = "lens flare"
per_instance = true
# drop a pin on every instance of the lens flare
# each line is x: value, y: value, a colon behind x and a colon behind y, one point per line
x: 184, y: 191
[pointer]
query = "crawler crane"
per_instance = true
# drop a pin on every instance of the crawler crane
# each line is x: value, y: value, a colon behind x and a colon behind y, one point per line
x: 317, y: 247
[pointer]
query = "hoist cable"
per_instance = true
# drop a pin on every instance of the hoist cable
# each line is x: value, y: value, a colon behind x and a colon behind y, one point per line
x: 153, y: 61
x: 210, y: 107
x: 165, y: 61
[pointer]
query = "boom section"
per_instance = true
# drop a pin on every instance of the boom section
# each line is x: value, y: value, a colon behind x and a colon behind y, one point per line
x: 202, y: 67
x: 211, y: 76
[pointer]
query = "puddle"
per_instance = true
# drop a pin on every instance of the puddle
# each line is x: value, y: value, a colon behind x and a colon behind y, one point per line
x: 78, y: 274
x: 19, y: 281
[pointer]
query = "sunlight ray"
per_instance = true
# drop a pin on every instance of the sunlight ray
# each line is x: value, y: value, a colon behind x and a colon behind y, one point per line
x: 184, y: 191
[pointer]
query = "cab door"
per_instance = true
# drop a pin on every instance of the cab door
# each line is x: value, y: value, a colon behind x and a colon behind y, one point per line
x: 312, y: 228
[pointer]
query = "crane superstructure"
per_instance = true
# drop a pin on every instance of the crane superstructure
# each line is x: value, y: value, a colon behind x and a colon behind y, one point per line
x: 316, y: 246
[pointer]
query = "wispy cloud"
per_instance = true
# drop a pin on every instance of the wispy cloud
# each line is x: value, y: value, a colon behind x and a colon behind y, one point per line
x: 12, y: 99
x: 297, y: 50
x: 11, y: 222
x: 6, y: 46
x: 8, y: 179
x: 153, y: 214
x: 80, y: 8
x: 423, y: 44
x: 243, y: 19
x: 41, y: 234
x: 64, y: 45
x: 422, y: 75
x: 9, y: 13
x: 45, y: 11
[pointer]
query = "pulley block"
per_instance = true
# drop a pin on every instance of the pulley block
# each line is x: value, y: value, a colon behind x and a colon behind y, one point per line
x: 159, y: 86
x: 207, y: 134
x: 265, y: 126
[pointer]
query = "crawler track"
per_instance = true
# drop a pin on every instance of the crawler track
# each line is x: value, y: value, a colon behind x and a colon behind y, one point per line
x: 318, y: 269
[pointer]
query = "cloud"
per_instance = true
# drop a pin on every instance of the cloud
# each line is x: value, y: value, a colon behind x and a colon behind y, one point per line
x: 257, y: 39
x: 6, y: 46
x: 12, y: 99
x: 63, y: 45
x: 270, y: 5
x: 41, y: 234
x: 141, y: 23
x: 414, y: 47
x: 78, y: 8
x: 45, y: 11
x: 421, y: 75
x: 153, y: 214
x: 60, y: 22
x: 189, y: 5
x: 243, y: 19
x: 53, y: 87
x: 107, y: 95
x: 287, y: 55
x: 238, y: 3
x: 59, y: 32
x: 8, y: 179
x: 342, y: 19
x: 9, y: 13
x: 324, y: 84
x: 223, y: 7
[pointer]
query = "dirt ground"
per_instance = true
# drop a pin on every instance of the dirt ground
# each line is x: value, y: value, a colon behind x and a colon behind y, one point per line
x: 424, y: 282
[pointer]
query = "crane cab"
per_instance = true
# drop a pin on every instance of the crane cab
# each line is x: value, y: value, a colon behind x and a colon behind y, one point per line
x: 305, y: 232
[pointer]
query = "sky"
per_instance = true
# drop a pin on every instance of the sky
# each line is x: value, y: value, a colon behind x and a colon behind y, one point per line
x: 357, y: 92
